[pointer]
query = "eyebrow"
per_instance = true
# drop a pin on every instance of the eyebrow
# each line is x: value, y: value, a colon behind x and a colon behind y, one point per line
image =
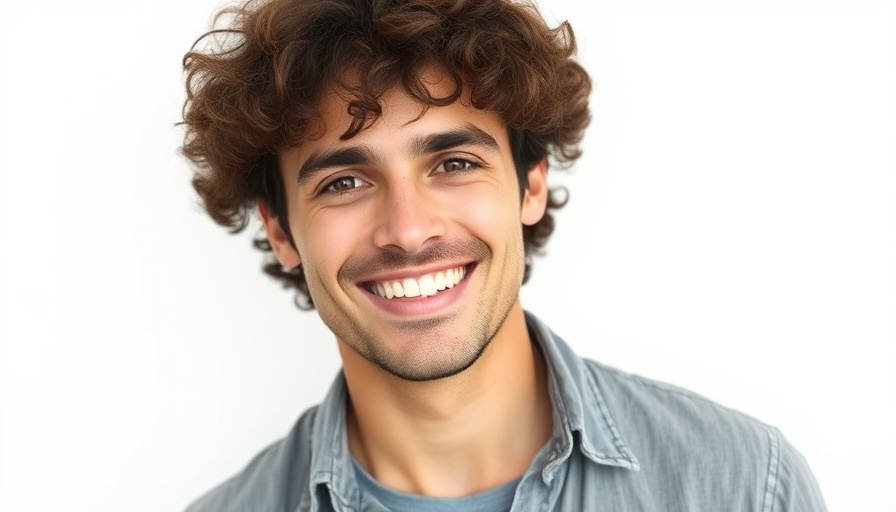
x: 318, y: 161
x: 469, y: 135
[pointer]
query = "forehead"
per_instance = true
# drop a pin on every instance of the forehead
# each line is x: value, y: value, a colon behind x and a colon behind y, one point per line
x: 399, y: 112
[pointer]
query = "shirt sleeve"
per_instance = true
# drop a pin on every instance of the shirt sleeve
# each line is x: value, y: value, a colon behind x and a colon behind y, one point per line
x: 796, y: 489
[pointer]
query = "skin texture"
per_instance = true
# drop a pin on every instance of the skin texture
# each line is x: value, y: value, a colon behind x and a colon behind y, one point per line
x: 439, y: 385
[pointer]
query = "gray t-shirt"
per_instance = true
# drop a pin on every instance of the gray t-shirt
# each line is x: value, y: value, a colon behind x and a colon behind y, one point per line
x: 497, y: 499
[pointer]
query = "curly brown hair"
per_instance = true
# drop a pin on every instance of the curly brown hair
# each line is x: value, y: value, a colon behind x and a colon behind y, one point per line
x: 254, y: 83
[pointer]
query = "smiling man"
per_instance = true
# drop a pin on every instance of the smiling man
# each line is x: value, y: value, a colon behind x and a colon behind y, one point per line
x: 397, y: 155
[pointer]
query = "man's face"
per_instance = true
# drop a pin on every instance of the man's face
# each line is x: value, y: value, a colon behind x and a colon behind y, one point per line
x: 409, y: 233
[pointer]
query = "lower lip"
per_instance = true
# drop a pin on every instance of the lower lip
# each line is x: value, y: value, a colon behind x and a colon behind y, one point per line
x: 417, y: 307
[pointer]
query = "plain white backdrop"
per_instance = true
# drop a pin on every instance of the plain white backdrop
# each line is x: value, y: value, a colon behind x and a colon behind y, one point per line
x: 731, y: 229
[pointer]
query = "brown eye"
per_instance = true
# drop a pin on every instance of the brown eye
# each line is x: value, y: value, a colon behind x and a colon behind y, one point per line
x: 457, y: 165
x: 343, y: 184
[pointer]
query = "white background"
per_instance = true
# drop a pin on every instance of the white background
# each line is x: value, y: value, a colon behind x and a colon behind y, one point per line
x: 732, y: 229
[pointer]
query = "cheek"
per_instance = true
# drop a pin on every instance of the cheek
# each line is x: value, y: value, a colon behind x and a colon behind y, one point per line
x: 491, y: 214
x: 327, y: 239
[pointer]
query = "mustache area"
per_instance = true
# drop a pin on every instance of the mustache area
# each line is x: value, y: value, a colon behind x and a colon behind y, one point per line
x: 461, y: 251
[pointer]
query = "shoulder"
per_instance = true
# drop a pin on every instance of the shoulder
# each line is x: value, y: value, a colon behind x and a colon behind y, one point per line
x: 268, y: 482
x: 645, y: 406
x: 712, y: 450
x: 671, y: 422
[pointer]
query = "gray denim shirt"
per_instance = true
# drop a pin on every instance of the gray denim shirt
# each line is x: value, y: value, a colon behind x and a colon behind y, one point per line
x: 620, y: 443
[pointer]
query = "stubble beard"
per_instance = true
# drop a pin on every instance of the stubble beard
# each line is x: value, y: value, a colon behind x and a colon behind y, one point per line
x: 434, y: 348
x: 444, y: 355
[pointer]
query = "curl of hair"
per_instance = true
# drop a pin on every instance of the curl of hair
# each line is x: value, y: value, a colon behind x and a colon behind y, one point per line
x: 253, y: 85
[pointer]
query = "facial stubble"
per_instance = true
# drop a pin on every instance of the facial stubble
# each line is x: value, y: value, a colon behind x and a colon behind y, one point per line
x: 431, y: 351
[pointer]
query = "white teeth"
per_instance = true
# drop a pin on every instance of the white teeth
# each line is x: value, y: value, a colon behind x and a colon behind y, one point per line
x: 411, y: 288
x: 426, y: 285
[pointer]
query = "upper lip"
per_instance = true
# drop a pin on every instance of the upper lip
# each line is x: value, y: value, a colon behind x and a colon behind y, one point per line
x: 414, y: 272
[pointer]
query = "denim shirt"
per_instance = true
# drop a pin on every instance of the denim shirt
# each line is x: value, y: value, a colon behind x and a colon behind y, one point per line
x: 619, y: 443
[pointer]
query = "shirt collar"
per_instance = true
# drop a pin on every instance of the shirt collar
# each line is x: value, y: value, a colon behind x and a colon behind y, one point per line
x: 331, y: 477
x: 581, y: 416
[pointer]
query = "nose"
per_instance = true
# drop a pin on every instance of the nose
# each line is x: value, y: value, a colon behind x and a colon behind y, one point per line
x: 410, y: 217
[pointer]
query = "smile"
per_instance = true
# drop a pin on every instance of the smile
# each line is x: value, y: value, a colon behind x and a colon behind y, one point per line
x: 425, y: 285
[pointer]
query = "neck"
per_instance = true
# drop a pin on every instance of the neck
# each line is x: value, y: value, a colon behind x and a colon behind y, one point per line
x: 458, y: 435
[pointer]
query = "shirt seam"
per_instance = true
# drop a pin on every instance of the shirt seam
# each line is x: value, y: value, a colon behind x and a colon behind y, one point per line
x: 772, y: 480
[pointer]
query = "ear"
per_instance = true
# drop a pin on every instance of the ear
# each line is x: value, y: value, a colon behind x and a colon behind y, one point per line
x: 535, y: 199
x: 285, y: 253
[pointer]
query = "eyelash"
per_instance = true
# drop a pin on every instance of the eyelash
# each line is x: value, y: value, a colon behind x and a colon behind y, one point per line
x: 468, y: 165
x: 328, y: 187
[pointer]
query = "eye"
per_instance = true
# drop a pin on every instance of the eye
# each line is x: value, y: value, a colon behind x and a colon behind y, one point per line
x: 342, y: 184
x: 457, y: 165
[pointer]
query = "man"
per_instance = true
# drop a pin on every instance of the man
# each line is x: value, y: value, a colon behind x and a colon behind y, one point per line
x: 397, y: 155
